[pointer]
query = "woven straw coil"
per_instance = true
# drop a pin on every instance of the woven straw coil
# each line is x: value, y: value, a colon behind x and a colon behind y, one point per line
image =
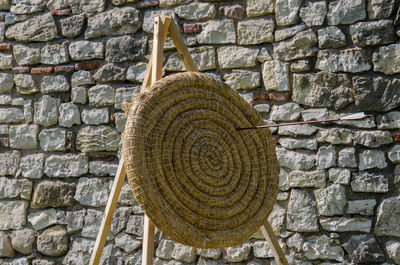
x: 202, y: 182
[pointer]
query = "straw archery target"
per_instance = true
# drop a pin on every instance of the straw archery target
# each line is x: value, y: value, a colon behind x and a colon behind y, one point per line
x: 202, y: 182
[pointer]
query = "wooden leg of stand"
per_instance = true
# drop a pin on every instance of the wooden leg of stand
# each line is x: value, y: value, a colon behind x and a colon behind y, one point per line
x: 269, y: 235
x: 148, y: 241
x: 108, y: 214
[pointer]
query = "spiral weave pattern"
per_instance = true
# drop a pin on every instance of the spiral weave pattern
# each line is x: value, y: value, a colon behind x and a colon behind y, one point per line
x: 202, y: 182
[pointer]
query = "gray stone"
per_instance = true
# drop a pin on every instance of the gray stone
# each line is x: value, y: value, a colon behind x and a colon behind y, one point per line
x: 331, y: 37
x: 203, y: 57
x: 389, y: 120
x: 150, y: 15
x: 256, y: 8
x: 346, y: 12
x: 92, y: 192
x: 331, y: 200
x: 78, y: 95
x: 72, y: 27
x: 364, y: 249
x: 372, y: 138
x: 6, y: 249
x: 22, y: 240
x: 326, y: 157
x: 135, y: 225
x: 25, y: 84
x: 217, y: 32
x: 57, y: 4
x: 79, y: 253
x: 371, y: 159
x: 42, y: 262
x: 300, y: 46
x: 38, y: 28
x: 46, y: 111
x: 136, y: 72
x: 393, y: 250
x: 236, y: 56
x: 127, y: 242
x: 6, y: 61
x: 53, y: 194
x: 369, y: 182
x: 13, y: 188
x: 95, y: 116
x: 335, y: 136
x: 285, y: 33
x: 119, y: 220
x: 300, y: 66
x: 286, y: 12
x: 6, y: 82
x: 262, y: 249
x: 92, y: 224
x: 124, y: 94
x: 242, y: 79
x: 255, y: 31
x: 387, y: 223
x: 314, y: 114
x: 126, y: 48
x: 5, y: 5
x: 310, y: 144
x: 109, y: 73
x: 81, y: 78
x: 313, y: 14
x: 339, y: 175
x: 66, y: 165
x: 97, y: 138
x: 262, y: 108
x: 297, y: 130
x: 378, y: 9
x: 323, y: 247
x: 296, y: 242
x: 286, y: 112
x: 102, y: 169
x: 305, y: 179
x: 42, y: 219
x: 384, y: 59
x: 75, y: 220
x: 120, y: 121
x: 86, y: 50
x: 87, y: 6
x: 5, y: 100
x: 394, y: 154
x: 295, y: 160
x: 165, y: 248
x: 53, y: 241
x: 361, y: 207
x: 345, y: 224
x: 28, y: 110
x: 126, y: 197
x: 54, y: 83
x: 27, y: 7
x: 11, y: 115
x: 25, y: 55
x: 372, y: 33
x: 350, y: 60
x: 376, y: 94
x: 238, y: 253
x: 12, y: 214
x: 302, y: 212
x: 24, y: 136
x: 277, y: 218
x: 54, y: 54
x: 196, y: 11
x: 322, y: 89
x: 69, y: 115
x: 276, y: 76
x: 32, y: 166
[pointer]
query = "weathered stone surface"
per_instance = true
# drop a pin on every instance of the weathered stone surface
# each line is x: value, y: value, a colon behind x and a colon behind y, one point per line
x: 305, y: 179
x: 54, y: 83
x: 372, y: 33
x: 126, y: 48
x: 238, y: 253
x: 24, y: 136
x: 6, y: 82
x: 364, y: 249
x: 22, y: 240
x: 135, y: 225
x: 38, y: 28
x: 346, y: 12
x: 313, y: 14
x: 119, y: 221
x: 12, y: 214
x: 87, y: 6
x: 236, y: 56
x: 388, y: 220
x: 149, y: 16
x: 261, y: 249
x: 196, y: 11
x: 79, y: 253
x: 92, y: 192
x: 25, y: 55
x: 54, y: 54
x: 255, y: 31
x: 297, y: 130
x: 350, y: 60
x: 326, y: 157
x: 136, y: 72
x: 242, y: 79
x: 124, y: 94
x: 389, y: 120
x: 276, y: 75
x: 217, y: 32
x: 95, y: 116
x: 315, y: 114
x: 302, y: 213
x: 69, y: 115
x: 331, y: 200
x: 97, y: 138
x: 323, y: 247
x: 81, y: 78
x: 32, y: 166
x: 86, y: 50
x: 127, y: 242
x: 339, y: 175
x: 101, y: 95
x: 295, y: 160
x: 286, y: 12
x: 378, y: 9
x: 344, y: 224
x: 285, y: 33
x: 78, y: 95
x: 211, y: 253
x: 6, y: 249
x: 11, y: 115
x: 53, y: 194
x: 232, y: 11
x: 46, y: 111
x: 394, y: 154
x: 372, y: 138
x: 25, y: 84
x: 331, y: 37
x: 286, y: 112
x: 322, y: 89
x: 66, y: 165
x: 72, y: 27
x: 384, y: 59
x: 300, y: 46
x: 256, y: 8
x: 289, y: 143
x: 263, y: 108
x: 361, y: 207
x: 300, y: 66
x: 296, y: 242
x: 335, y: 136
x: 203, y: 57
x: 369, y: 182
x: 376, y: 94
x: 164, y: 249
x: 109, y: 73
x: 92, y: 224
x: 393, y: 250
x: 75, y: 220
x: 6, y: 61
x: 13, y: 188
x: 372, y: 158
x: 53, y: 241
x: 183, y: 253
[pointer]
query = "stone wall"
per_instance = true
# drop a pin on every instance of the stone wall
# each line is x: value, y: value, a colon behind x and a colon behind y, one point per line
x: 66, y: 67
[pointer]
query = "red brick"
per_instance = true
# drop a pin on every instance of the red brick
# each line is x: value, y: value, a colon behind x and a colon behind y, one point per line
x: 279, y: 96
x: 87, y: 66
x: 236, y: 11
x: 21, y: 70
x: 191, y: 28
x: 146, y: 3
x: 64, y: 69
x: 396, y: 137
x: 5, y: 46
x: 61, y: 12
x: 42, y: 70
x: 260, y: 96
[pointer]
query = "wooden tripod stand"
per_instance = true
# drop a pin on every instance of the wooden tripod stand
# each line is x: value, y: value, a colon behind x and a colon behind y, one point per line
x: 162, y: 26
